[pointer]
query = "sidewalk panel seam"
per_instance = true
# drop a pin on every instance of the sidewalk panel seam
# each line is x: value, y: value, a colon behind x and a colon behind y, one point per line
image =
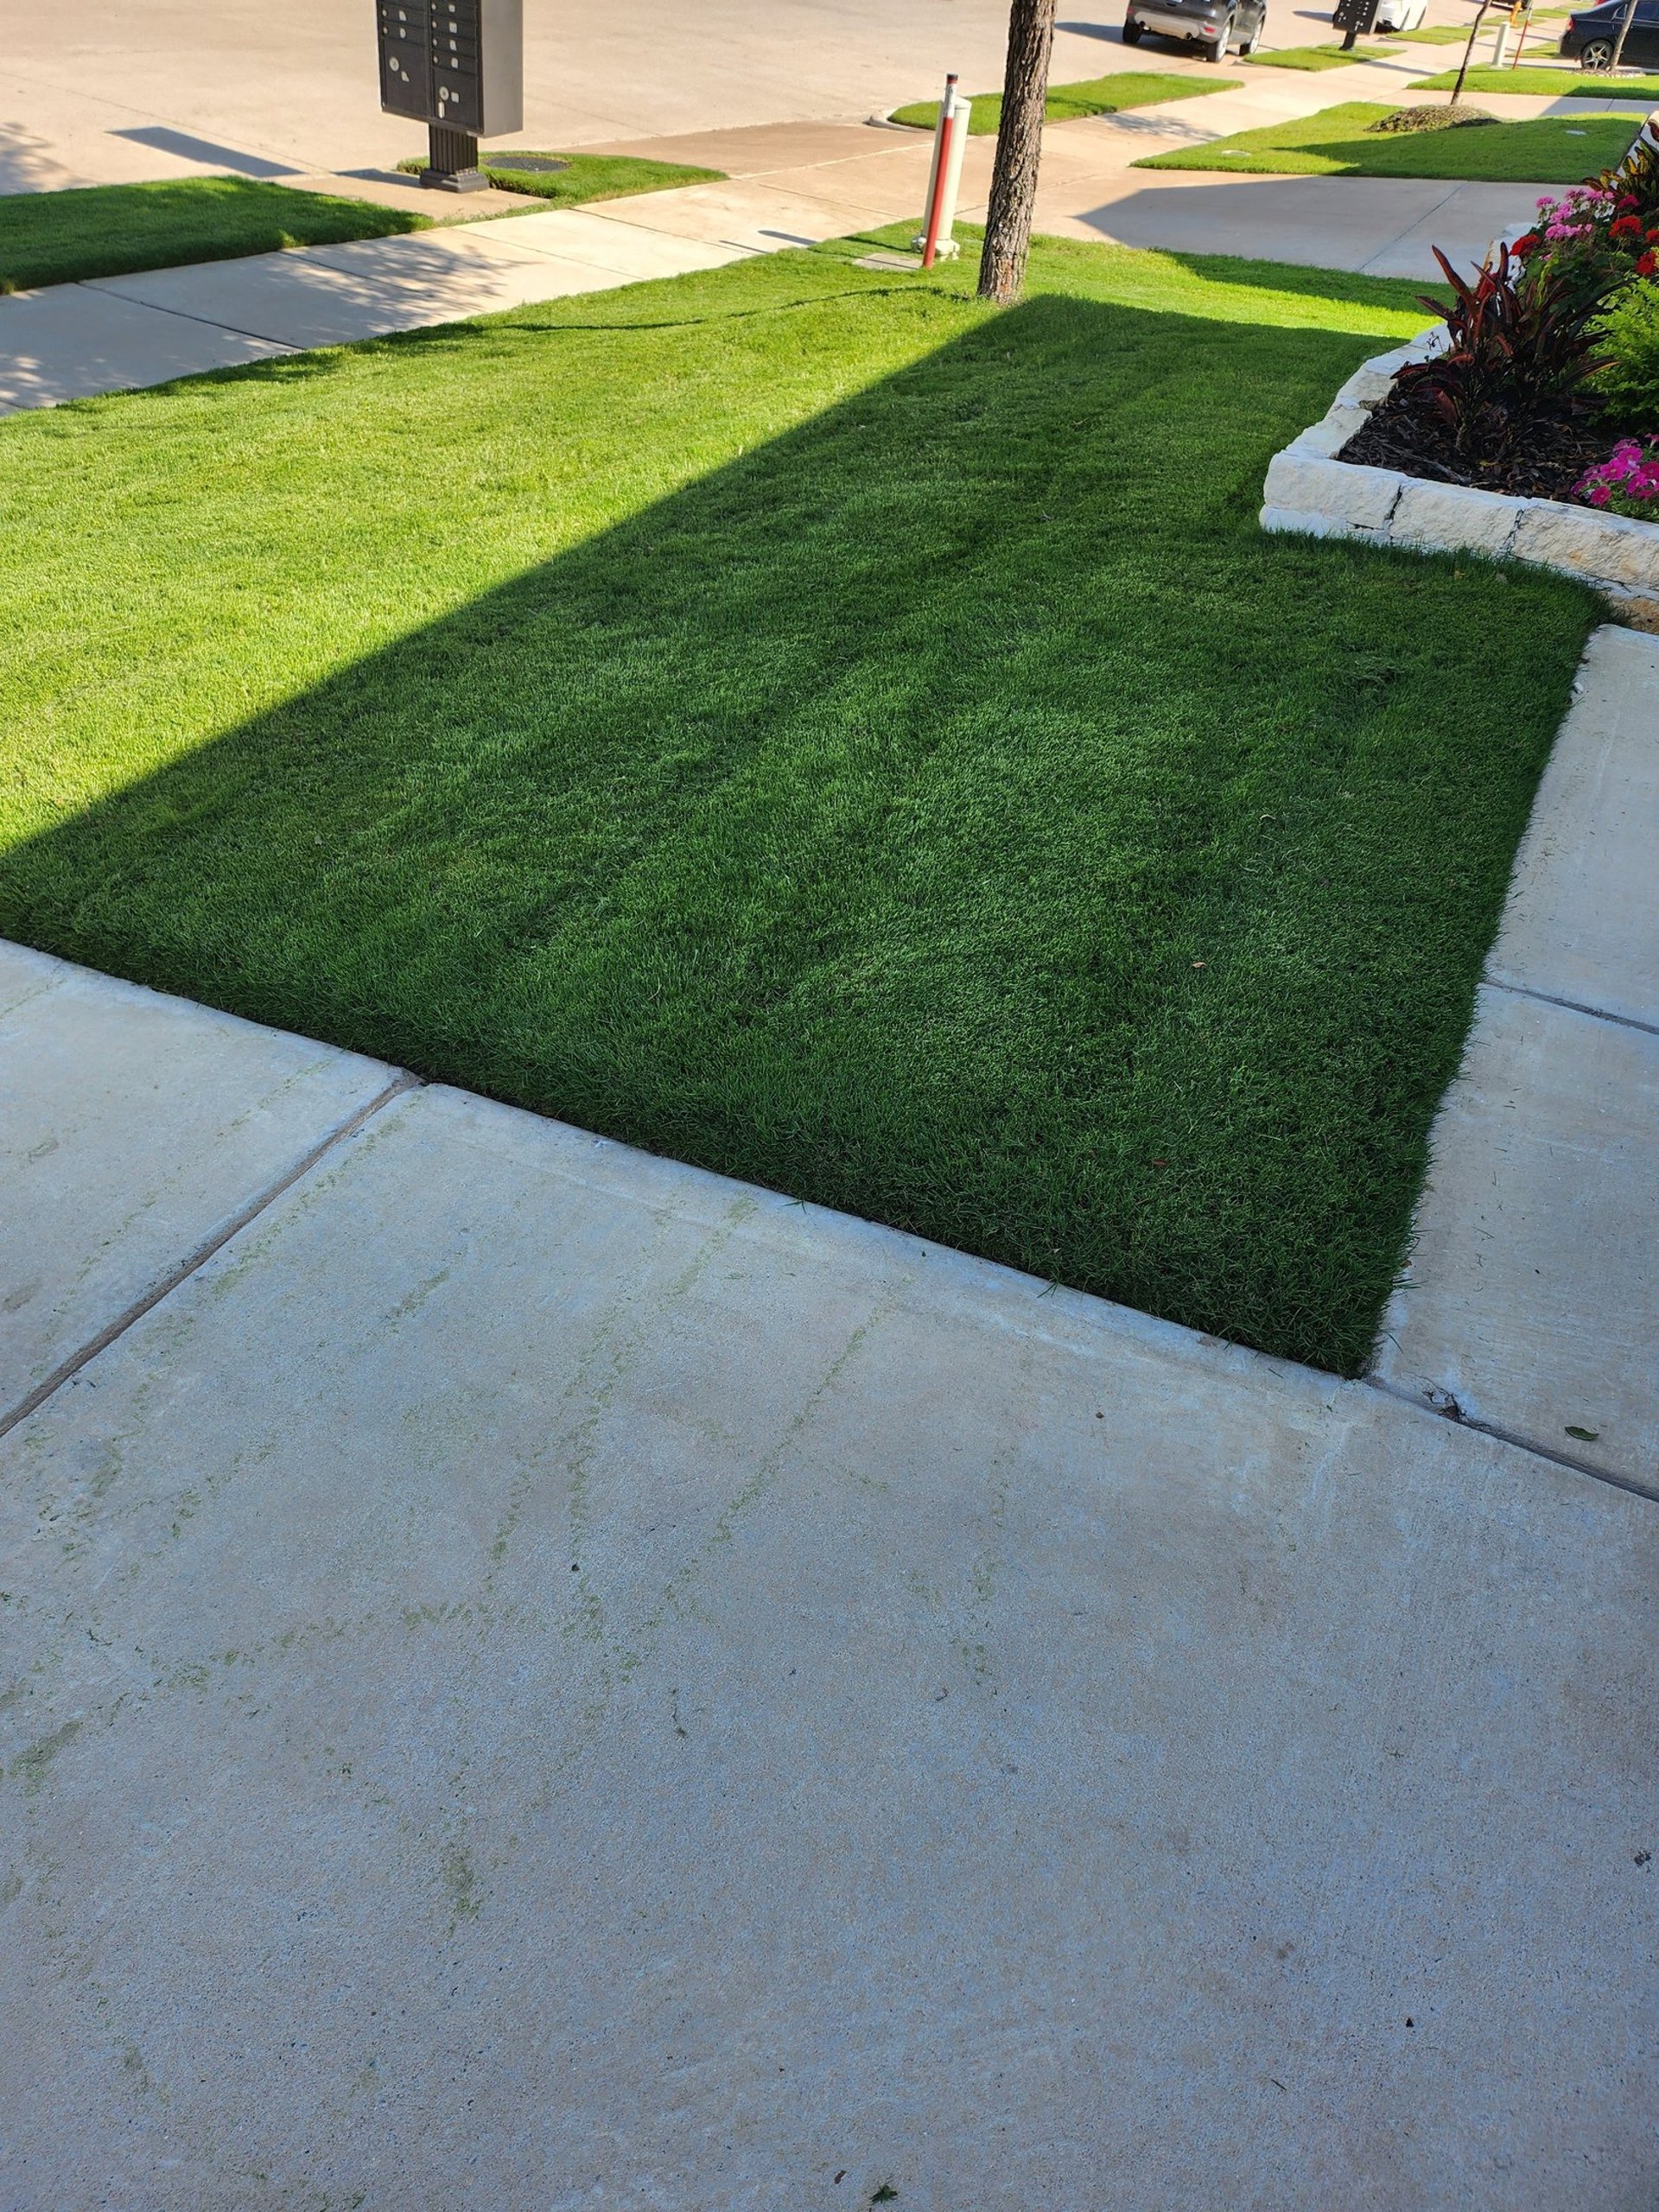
x: 1571, y: 1006
x: 401, y: 1083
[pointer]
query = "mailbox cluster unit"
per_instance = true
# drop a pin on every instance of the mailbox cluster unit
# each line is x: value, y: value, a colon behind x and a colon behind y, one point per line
x: 458, y: 66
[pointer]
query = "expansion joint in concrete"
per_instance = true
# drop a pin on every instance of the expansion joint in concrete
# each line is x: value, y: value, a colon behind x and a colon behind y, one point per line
x: 1573, y: 1006
x: 184, y: 314
x: 1459, y: 1418
x: 204, y: 1252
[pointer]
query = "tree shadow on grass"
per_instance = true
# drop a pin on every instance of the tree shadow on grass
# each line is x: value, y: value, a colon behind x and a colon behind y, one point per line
x: 953, y: 810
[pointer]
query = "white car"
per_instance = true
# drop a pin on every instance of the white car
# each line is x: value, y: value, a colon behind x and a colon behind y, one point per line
x: 1400, y: 15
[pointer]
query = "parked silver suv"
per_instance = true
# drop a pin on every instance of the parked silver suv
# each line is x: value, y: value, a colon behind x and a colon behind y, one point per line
x: 1213, y: 26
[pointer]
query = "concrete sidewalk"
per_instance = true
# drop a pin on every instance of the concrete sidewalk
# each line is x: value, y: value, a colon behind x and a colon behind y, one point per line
x: 124, y: 332
x: 1532, y: 1302
x: 785, y: 184
x: 536, y: 1674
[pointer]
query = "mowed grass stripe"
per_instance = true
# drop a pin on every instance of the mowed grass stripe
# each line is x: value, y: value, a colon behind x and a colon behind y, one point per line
x: 800, y: 721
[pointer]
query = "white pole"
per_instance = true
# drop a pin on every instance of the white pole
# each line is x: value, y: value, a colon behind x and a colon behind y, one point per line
x: 931, y: 205
x: 948, y: 245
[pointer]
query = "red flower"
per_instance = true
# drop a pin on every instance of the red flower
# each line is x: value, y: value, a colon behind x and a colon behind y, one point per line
x: 1525, y: 244
x: 1649, y: 264
x: 1625, y: 227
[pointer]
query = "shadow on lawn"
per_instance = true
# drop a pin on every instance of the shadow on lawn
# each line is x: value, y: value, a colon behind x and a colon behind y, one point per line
x: 953, y: 810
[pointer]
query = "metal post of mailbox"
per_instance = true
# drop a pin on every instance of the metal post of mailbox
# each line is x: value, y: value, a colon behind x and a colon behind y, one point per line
x: 457, y: 65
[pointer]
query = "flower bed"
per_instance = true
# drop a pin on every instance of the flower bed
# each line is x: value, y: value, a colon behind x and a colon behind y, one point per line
x: 1528, y: 423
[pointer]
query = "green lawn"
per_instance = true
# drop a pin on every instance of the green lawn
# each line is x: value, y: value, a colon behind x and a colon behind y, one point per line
x: 1316, y: 57
x: 1546, y: 83
x: 109, y: 230
x: 588, y: 176
x: 800, y: 720
x: 1125, y: 88
x: 1553, y: 149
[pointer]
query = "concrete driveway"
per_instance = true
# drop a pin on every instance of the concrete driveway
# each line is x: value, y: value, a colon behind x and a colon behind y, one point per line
x: 95, y: 91
x: 99, y: 91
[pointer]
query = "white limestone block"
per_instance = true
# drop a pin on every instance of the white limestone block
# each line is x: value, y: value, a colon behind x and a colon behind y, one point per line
x: 1363, y: 497
x: 1454, y: 518
x: 1589, y: 544
x: 1309, y: 524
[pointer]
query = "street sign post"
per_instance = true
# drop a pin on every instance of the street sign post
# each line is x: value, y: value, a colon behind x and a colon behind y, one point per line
x: 458, y: 66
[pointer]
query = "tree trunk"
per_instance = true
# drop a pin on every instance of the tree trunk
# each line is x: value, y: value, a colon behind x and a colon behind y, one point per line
x: 1019, y: 149
x: 1474, y: 33
x: 1624, y: 30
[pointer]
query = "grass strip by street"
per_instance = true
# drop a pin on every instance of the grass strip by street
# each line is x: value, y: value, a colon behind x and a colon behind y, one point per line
x: 806, y: 724
x: 112, y: 230
x: 1544, y: 83
x: 584, y: 176
x: 1315, y: 57
x: 1126, y: 88
x: 1338, y: 142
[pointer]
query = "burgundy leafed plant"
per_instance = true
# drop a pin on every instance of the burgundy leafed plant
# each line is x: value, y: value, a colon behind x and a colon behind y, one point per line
x: 1518, y: 351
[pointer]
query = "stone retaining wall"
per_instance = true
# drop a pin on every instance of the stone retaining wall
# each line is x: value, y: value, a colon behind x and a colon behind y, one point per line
x: 1309, y: 489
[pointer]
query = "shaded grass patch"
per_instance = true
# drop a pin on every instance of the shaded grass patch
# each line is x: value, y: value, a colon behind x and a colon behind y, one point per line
x: 112, y: 230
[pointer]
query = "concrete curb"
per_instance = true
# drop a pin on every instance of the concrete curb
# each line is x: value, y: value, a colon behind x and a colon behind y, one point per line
x: 1531, y: 1302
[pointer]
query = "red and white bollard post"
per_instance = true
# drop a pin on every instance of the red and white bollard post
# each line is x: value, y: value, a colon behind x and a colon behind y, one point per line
x: 944, y: 178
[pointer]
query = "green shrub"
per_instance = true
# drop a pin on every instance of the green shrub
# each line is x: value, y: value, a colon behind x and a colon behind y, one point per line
x: 1629, y: 333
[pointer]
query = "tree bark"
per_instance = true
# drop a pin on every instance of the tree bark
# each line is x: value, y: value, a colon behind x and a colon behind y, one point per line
x: 1019, y: 150
x: 1624, y: 23
x: 1474, y: 33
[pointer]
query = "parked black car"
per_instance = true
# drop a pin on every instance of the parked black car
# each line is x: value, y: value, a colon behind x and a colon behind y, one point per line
x: 1213, y: 26
x: 1591, y: 37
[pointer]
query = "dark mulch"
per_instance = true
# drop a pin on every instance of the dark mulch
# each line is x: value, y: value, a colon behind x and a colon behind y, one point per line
x: 1403, y: 433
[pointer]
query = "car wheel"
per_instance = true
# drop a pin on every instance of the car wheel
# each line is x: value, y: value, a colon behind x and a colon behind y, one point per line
x: 1223, y: 38
x: 1252, y: 42
x: 1597, y: 53
x: 1131, y: 31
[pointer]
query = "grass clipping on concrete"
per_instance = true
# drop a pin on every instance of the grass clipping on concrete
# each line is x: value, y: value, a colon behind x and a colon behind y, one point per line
x: 111, y: 230
x: 1124, y: 88
x: 804, y: 722
x: 584, y: 176
x: 1352, y: 141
